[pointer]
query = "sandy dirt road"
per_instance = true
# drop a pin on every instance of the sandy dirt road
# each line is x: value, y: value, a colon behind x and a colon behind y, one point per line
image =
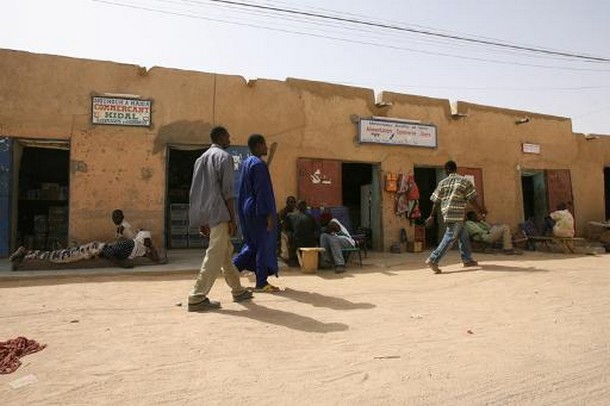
x: 527, y: 330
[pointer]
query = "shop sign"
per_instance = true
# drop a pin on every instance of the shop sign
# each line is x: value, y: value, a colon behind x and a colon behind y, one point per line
x: 119, y: 111
x: 397, y: 132
x: 531, y: 148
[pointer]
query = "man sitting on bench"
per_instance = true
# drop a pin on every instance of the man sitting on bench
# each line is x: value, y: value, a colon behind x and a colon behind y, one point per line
x: 564, y: 222
x: 480, y: 230
x: 333, y: 240
x: 302, y: 230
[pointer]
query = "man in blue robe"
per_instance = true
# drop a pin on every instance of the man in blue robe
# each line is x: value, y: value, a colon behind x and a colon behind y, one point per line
x: 257, y: 212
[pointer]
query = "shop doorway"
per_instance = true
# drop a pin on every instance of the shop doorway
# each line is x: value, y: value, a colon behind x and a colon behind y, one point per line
x: 607, y: 191
x: 543, y: 190
x: 180, y: 162
x: 6, y: 156
x: 534, y: 196
x: 41, y: 183
x: 350, y: 190
x: 427, y: 178
x: 360, y: 186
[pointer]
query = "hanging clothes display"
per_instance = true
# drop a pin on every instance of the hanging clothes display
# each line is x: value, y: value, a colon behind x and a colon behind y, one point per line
x: 407, y: 197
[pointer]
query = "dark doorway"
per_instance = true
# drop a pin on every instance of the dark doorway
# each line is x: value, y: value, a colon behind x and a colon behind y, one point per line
x: 354, y: 177
x: 527, y: 187
x: 535, y: 195
x: 179, y: 175
x: 360, y: 192
x: 180, y: 162
x: 42, y: 208
x: 607, y: 191
x: 427, y: 179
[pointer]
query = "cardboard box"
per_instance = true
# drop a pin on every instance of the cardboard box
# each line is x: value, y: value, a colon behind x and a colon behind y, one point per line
x: 414, y: 246
x: 49, y: 191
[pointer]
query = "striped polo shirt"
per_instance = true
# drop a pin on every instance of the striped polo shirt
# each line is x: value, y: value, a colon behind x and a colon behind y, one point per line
x: 454, y: 192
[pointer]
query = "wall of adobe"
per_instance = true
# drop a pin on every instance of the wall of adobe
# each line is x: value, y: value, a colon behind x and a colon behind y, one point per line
x: 49, y: 97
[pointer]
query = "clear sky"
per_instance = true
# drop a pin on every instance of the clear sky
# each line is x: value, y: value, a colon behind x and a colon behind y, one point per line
x: 212, y: 36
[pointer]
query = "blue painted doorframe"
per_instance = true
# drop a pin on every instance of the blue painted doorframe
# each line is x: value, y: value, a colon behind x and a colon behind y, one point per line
x: 5, y: 194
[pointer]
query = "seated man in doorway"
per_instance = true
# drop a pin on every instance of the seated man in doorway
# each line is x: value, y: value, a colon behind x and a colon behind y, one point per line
x: 123, y: 228
x: 479, y: 230
x: 118, y: 252
x: 333, y: 240
x: 564, y: 221
x: 302, y: 230
x: 290, y: 207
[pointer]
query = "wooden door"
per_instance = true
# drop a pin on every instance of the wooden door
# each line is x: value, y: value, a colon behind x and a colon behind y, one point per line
x: 319, y: 182
x: 559, y: 188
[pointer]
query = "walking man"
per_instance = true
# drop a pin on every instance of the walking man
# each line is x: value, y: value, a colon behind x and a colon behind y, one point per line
x: 257, y: 213
x: 451, y: 196
x: 211, y: 199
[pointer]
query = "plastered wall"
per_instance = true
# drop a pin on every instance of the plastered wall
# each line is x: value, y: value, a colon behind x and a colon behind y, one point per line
x: 45, y: 96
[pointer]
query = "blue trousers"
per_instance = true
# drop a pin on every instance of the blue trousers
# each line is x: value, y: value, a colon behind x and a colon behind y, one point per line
x: 455, y: 231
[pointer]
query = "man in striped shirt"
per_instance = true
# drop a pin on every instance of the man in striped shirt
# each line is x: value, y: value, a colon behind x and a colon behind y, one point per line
x: 451, y: 195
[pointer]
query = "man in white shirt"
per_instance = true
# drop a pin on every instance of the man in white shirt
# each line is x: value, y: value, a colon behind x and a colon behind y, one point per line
x: 123, y: 228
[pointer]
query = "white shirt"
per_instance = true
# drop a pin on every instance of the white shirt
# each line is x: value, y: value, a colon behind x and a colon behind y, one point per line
x: 139, y: 249
x: 127, y: 231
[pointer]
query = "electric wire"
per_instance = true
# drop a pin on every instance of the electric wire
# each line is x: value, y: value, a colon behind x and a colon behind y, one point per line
x: 415, y: 30
x: 347, y: 40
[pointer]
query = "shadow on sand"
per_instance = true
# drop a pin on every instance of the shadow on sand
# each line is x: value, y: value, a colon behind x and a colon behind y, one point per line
x: 285, y: 319
x: 494, y: 268
x: 319, y: 300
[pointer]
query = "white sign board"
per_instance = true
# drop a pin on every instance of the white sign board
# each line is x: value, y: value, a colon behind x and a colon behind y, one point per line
x: 117, y: 111
x: 531, y: 148
x: 395, y: 132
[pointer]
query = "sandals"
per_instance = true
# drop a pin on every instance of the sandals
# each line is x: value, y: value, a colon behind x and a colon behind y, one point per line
x: 268, y: 288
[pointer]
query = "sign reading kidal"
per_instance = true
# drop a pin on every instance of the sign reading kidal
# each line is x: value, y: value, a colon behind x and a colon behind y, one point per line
x: 120, y: 111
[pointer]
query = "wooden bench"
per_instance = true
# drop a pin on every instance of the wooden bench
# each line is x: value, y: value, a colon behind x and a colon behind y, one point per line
x: 565, y: 244
x: 485, y: 247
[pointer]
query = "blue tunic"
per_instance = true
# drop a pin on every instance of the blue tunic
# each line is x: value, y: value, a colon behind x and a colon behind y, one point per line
x: 255, y: 203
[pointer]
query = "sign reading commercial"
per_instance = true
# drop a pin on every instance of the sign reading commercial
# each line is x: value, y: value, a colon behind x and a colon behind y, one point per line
x: 118, y: 111
x: 396, y: 132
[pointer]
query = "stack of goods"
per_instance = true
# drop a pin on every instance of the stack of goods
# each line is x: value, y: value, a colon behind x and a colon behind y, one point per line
x: 40, y: 232
x: 179, y: 225
x: 58, y: 227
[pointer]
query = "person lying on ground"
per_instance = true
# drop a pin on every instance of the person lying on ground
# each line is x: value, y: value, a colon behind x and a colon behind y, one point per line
x: 119, y: 252
x: 479, y: 230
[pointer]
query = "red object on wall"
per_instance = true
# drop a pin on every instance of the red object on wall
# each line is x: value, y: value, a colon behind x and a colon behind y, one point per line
x: 319, y: 182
